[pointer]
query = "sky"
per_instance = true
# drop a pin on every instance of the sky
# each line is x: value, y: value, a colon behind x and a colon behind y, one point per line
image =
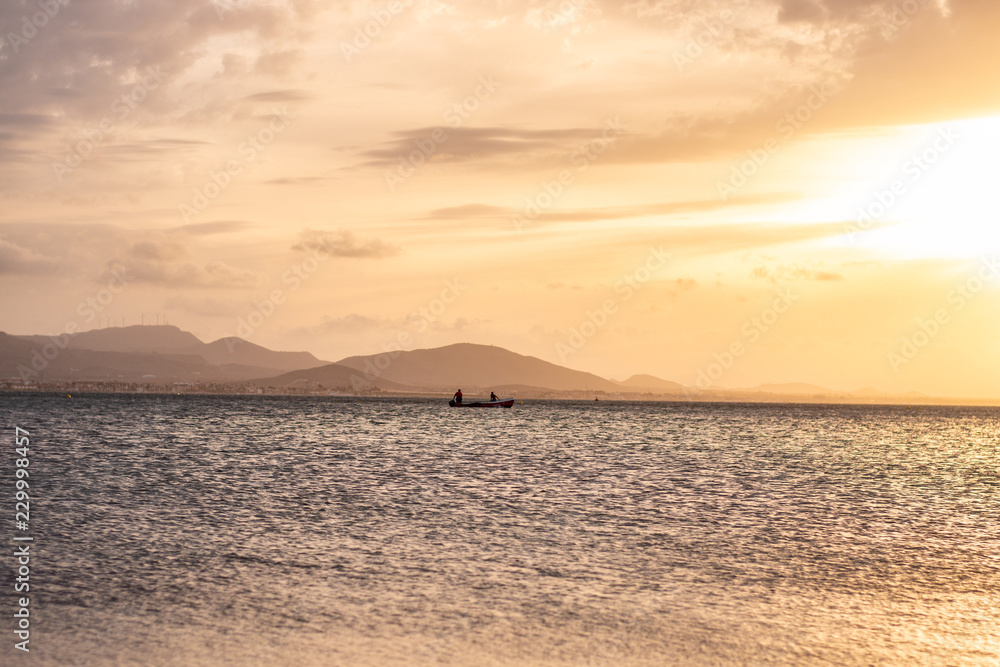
x: 721, y: 193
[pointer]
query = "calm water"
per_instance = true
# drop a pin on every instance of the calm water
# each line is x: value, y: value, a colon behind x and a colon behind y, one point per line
x: 179, y: 530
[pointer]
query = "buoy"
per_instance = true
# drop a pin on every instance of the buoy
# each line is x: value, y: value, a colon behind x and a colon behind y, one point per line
x: 68, y: 396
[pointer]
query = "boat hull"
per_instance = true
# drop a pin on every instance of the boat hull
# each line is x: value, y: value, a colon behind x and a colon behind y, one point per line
x: 505, y: 403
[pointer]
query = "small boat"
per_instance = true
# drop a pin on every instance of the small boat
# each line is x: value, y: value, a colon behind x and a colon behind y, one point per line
x: 499, y: 403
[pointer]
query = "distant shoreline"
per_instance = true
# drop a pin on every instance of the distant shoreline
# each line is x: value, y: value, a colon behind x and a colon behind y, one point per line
x: 758, y: 398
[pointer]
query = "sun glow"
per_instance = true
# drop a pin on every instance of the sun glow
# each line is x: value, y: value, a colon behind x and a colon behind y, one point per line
x: 937, y: 197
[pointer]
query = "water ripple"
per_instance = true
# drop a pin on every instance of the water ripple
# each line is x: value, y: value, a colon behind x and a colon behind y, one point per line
x: 270, y: 530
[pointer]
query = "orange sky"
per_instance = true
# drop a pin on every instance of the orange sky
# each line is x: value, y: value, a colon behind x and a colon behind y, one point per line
x: 727, y: 192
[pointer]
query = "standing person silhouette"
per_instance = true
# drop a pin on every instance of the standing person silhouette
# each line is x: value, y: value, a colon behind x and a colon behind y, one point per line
x: 458, y: 396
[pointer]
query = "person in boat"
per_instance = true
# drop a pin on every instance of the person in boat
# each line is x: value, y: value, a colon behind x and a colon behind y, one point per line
x: 493, y: 397
x: 458, y: 396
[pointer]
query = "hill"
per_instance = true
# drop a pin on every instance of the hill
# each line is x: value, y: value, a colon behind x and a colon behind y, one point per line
x: 652, y: 385
x: 168, y: 339
x: 472, y: 368
x: 331, y: 376
x: 24, y: 359
x: 159, y: 338
x: 167, y: 354
x: 238, y: 351
x: 142, y: 353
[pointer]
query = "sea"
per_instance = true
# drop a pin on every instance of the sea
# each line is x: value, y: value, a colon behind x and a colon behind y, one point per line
x: 260, y: 530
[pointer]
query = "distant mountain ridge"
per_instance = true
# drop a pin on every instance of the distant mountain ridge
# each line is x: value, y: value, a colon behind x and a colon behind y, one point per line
x: 467, y: 365
x: 331, y: 376
x: 234, y: 350
x: 154, y: 338
x: 160, y: 354
x: 792, y: 389
x: 28, y: 361
x: 653, y: 385
x: 136, y: 353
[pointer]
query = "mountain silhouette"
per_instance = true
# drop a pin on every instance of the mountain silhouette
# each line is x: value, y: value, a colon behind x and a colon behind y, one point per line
x: 166, y: 354
x: 142, y: 353
x: 470, y: 367
x: 652, y: 384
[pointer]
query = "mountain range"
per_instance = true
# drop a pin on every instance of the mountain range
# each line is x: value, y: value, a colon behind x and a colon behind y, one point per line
x: 137, y: 353
x: 165, y: 354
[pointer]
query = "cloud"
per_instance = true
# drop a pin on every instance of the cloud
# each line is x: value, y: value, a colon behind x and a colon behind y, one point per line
x: 173, y: 258
x: 279, y: 96
x: 296, y: 180
x: 169, y: 260
x: 802, y: 10
x: 25, y: 120
x: 160, y: 250
x: 88, y: 54
x: 210, y: 228
x: 280, y: 63
x: 206, y: 306
x: 783, y: 273
x: 480, y: 143
x: 188, y: 274
x: 345, y: 244
x: 658, y: 209
x: 711, y: 239
x: 354, y: 323
x: 884, y: 65
x: 357, y: 325
x: 489, y: 212
x: 76, y: 250
x: 823, y: 11
x: 466, y: 211
x: 16, y: 260
x: 935, y: 64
